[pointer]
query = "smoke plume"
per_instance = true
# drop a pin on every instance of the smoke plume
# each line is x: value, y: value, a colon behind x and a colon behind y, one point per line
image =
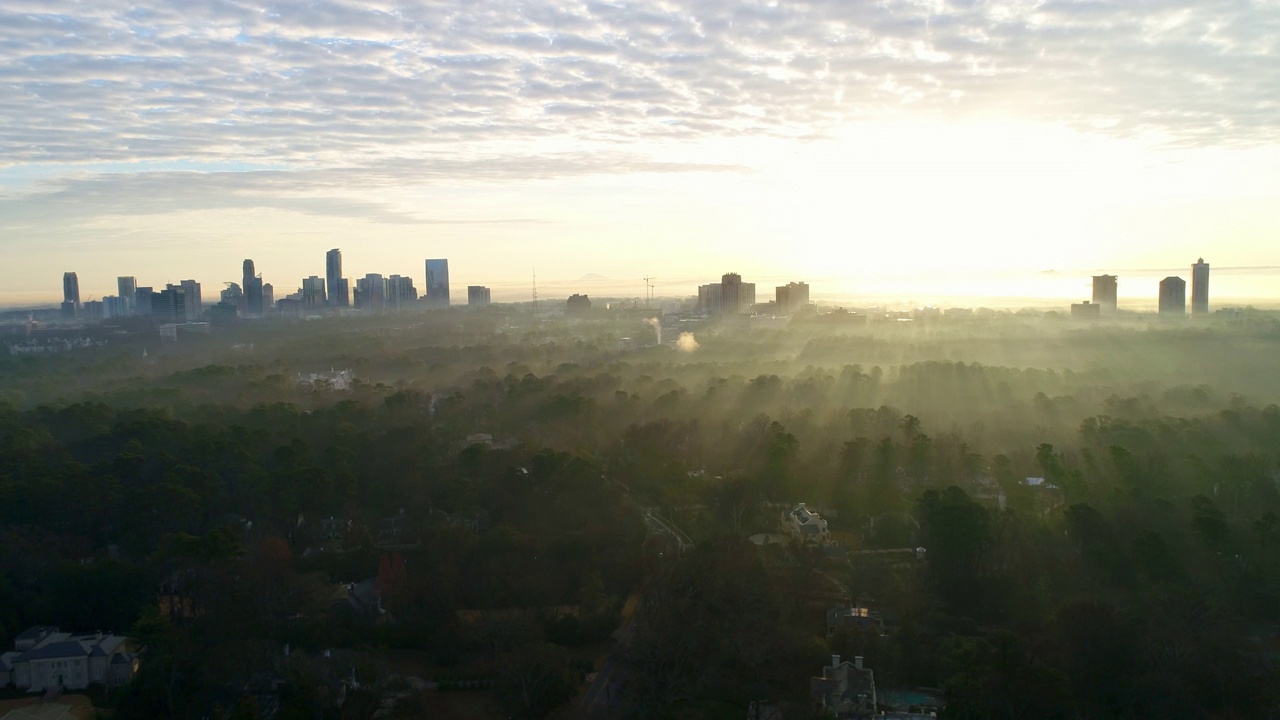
x: 686, y: 342
x: 657, y: 327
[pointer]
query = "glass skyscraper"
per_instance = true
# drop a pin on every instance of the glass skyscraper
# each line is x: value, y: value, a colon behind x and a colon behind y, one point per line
x: 438, y: 283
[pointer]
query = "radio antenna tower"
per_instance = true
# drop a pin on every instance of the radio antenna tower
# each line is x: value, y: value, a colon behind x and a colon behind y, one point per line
x: 648, y: 290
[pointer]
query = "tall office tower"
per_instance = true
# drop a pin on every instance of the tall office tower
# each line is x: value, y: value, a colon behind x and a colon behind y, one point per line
x: 1104, y: 292
x: 344, y: 294
x: 477, y: 296
x: 114, y: 306
x: 791, y: 297
x: 142, y: 301
x: 437, y: 283
x: 1173, y: 296
x: 268, y: 297
x: 1200, y: 288
x: 372, y: 291
x: 709, y: 298
x: 70, y: 294
x: 191, y: 298
x: 233, y: 294
x: 128, y: 289
x: 393, y: 293
x: 733, y: 295
x: 170, y: 305
x: 313, y: 295
x: 333, y: 278
x: 400, y: 292
x: 252, y: 289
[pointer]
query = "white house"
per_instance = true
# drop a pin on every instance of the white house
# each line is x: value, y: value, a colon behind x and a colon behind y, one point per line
x: 43, y: 657
x: 845, y: 690
x: 805, y: 524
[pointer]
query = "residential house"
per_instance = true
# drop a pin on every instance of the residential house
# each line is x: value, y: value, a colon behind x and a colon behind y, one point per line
x: 805, y: 525
x: 853, y: 617
x: 846, y: 690
x: 43, y: 657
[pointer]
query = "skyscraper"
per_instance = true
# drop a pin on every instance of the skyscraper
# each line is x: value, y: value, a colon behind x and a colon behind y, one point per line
x: 791, y: 297
x: 142, y: 301
x: 313, y: 295
x: 1173, y: 296
x: 709, y: 298
x: 477, y: 296
x: 438, y: 283
x: 70, y: 294
x: 736, y: 296
x: 191, y: 300
x: 252, y: 289
x: 333, y: 278
x: 1200, y: 288
x: 371, y: 291
x: 128, y: 292
x: 170, y: 305
x: 1104, y: 292
x: 400, y: 292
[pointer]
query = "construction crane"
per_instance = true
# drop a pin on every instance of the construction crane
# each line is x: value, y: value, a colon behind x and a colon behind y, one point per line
x: 648, y: 290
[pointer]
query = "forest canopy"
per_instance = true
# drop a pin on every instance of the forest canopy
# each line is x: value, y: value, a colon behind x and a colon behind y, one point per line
x: 1097, y: 505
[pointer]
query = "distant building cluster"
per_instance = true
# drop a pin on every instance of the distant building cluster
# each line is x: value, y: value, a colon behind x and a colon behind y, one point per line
x: 178, y: 306
x: 1172, y: 299
x: 731, y: 296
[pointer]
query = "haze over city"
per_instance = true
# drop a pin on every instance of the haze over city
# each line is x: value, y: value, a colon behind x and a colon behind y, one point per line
x: 906, y: 151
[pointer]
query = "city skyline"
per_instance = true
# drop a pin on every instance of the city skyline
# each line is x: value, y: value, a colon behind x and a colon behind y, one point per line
x: 955, y: 149
x: 314, y: 290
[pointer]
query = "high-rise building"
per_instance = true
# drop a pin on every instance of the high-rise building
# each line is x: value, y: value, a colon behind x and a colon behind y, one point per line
x: 252, y: 289
x: 333, y: 278
x: 1173, y: 296
x: 191, y: 299
x: 577, y: 305
x: 170, y: 305
x: 344, y: 294
x: 438, y: 283
x: 70, y: 294
x: 142, y: 300
x: 791, y: 297
x: 1200, y: 288
x: 1104, y: 292
x: 128, y: 289
x: 114, y: 306
x: 313, y: 295
x: 709, y: 299
x: 232, y: 294
x: 268, y: 297
x: 401, y: 293
x: 477, y: 296
x: 736, y: 297
x: 371, y: 292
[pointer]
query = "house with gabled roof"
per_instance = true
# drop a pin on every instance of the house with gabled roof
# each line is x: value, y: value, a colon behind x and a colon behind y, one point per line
x: 805, y: 525
x: 846, y: 690
x: 44, y: 657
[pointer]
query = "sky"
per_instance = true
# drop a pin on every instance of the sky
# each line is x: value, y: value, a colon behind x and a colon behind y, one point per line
x: 912, y: 150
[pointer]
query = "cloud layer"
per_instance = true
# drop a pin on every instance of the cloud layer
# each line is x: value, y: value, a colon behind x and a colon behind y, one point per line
x: 336, y: 93
x: 332, y: 80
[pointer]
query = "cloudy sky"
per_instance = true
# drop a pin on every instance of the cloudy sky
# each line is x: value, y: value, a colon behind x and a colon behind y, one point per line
x: 905, y: 149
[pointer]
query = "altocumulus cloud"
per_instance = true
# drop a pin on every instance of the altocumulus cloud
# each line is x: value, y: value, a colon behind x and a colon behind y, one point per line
x: 415, y: 91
